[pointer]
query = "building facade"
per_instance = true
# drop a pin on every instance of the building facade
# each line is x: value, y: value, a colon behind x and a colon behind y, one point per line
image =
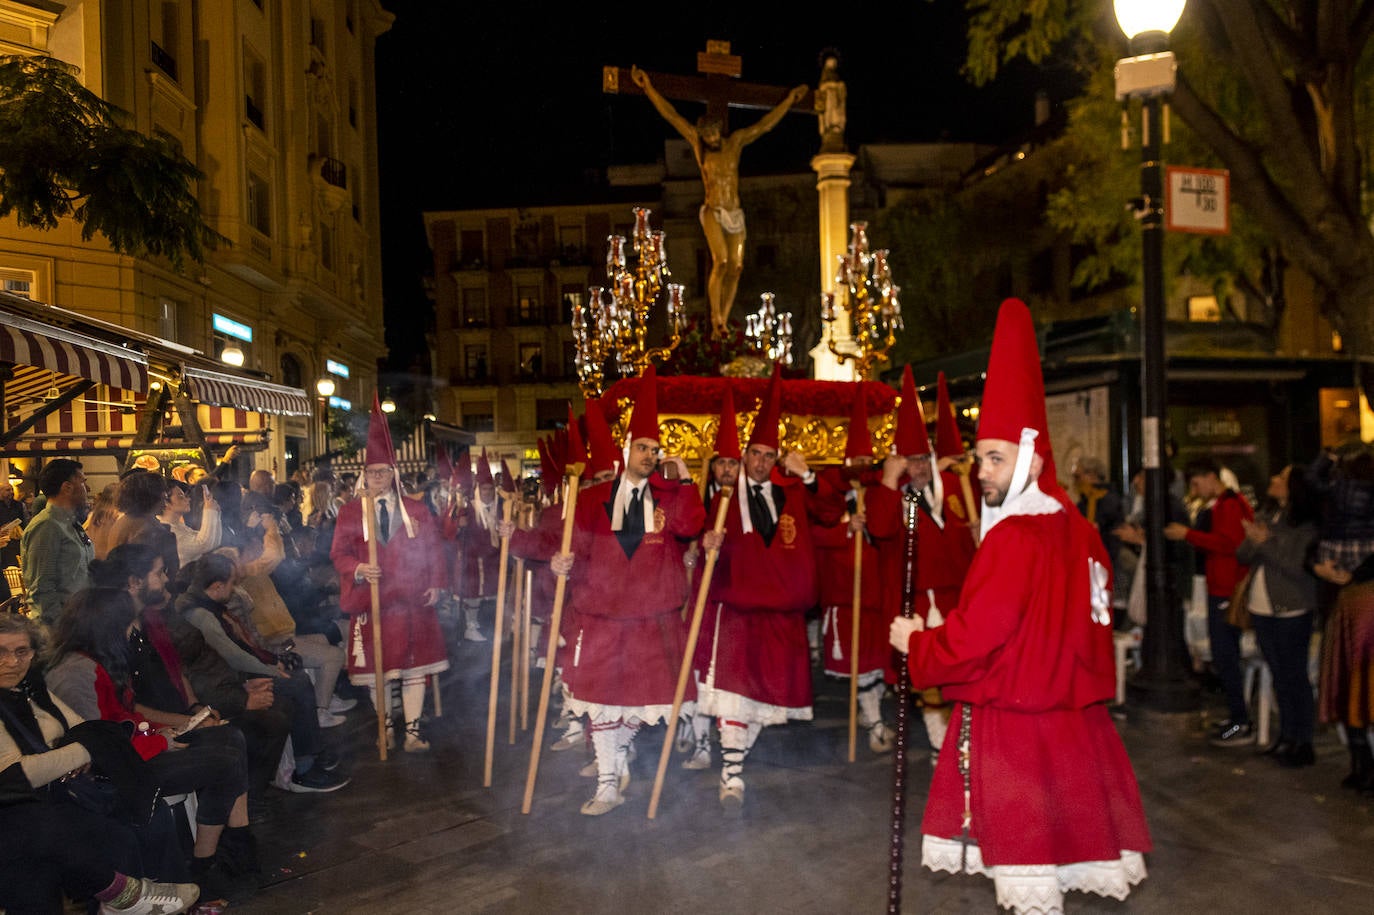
x: 274, y: 101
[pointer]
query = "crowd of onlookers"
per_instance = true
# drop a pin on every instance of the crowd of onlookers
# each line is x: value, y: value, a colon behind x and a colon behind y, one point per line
x: 179, y: 635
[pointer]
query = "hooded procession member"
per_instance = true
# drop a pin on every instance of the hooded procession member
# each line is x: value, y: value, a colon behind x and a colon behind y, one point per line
x: 1035, y: 789
x: 412, y: 578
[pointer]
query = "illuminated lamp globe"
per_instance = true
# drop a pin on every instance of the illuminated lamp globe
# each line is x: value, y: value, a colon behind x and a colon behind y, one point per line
x: 1137, y: 17
x: 325, y: 387
x: 231, y: 355
x: 388, y: 406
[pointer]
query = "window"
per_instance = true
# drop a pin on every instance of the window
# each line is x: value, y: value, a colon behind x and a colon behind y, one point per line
x: 254, y: 89
x: 478, y: 416
x: 475, y: 307
x: 352, y: 102
x: 17, y: 282
x: 527, y: 304
x: 259, y: 204
x: 571, y: 241
x: 527, y: 240
x: 475, y: 362
x: 292, y: 375
x: 326, y: 246
x: 167, y: 319
x: 531, y: 360
x: 572, y: 299
x: 471, y: 248
x: 569, y: 359
x: 356, y: 192
x: 165, y: 25
x: 550, y: 413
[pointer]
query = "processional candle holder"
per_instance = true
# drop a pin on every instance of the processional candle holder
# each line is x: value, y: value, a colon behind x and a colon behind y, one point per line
x: 614, y: 325
x: 871, y: 298
x: 769, y: 331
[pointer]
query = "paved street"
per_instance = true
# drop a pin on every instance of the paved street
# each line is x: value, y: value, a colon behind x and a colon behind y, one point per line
x: 419, y: 833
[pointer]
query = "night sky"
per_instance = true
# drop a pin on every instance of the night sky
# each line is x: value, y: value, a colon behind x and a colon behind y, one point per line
x: 485, y: 105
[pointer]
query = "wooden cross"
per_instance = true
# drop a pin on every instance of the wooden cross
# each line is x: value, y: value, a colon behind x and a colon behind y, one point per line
x: 719, y: 87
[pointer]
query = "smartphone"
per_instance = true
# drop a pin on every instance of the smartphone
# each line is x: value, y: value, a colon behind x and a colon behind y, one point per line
x: 668, y: 469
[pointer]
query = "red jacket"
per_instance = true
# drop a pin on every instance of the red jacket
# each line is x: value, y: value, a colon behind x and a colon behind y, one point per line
x: 1219, y: 540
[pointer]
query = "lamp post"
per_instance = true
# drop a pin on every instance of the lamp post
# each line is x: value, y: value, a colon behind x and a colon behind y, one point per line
x: 1149, y: 75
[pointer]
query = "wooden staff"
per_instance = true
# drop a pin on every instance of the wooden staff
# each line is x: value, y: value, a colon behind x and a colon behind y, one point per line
x: 686, y: 670
x: 970, y: 503
x: 518, y: 657
x: 854, y: 627
x: 369, y: 519
x: 894, y: 876
x: 528, y: 637
x: 507, y: 509
x: 574, y: 471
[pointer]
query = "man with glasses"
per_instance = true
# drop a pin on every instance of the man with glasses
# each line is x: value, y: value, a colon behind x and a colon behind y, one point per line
x: 56, y: 552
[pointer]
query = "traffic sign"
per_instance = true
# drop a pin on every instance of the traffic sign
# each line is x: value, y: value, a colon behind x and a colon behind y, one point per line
x: 1197, y: 200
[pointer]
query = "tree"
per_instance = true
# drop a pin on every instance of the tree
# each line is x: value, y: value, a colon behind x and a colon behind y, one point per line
x: 1278, y: 90
x: 65, y: 152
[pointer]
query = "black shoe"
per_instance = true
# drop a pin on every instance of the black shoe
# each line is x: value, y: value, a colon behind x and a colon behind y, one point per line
x: 316, y: 780
x: 1299, y: 755
x: 259, y: 810
x: 1233, y: 734
x: 327, y: 760
x: 1278, y: 748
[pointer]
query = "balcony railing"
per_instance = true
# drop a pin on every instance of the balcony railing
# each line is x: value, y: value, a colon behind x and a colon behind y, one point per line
x: 334, y: 172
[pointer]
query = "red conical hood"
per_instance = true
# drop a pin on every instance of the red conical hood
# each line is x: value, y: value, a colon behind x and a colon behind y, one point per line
x: 948, y: 441
x: 443, y: 464
x: 727, y: 433
x: 379, y: 450
x: 1014, y: 393
x: 602, y: 452
x: 577, y: 451
x: 462, y: 474
x: 765, y: 430
x: 644, y: 419
x: 484, y: 477
x: 549, y: 471
x: 910, y: 436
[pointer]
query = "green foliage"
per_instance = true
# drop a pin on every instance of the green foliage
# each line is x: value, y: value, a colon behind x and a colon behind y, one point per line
x: 345, y: 430
x: 65, y: 152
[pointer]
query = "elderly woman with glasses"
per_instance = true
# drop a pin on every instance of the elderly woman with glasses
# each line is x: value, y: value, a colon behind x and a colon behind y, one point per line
x: 49, y: 845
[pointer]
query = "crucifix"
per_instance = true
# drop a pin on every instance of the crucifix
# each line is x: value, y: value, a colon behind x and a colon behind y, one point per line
x: 717, y: 151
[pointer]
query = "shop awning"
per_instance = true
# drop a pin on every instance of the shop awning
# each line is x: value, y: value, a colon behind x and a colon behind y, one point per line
x: 57, y: 445
x: 27, y: 342
x: 210, y: 387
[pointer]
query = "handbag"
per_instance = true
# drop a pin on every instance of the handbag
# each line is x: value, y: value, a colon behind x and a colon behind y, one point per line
x: 89, y: 791
x: 1238, y: 610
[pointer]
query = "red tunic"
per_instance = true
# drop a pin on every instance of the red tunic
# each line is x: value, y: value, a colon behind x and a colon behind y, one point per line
x: 412, y: 642
x: 479, y: 554
x: 629, y: 637
x: 1050, y: 781
x: 835, y: 573
x: 536, y: 547
x: 753, y: 647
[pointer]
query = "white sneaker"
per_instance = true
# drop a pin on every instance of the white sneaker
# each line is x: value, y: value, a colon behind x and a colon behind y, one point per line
x: 328, y: 719
x: 473, y: 634
x: 338, y: 704
x: 157, y: 899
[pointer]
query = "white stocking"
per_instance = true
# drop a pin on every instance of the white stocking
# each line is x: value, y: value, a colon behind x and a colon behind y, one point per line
x: 413, y: 699
x: 870, y: 708
x: 736, y: 740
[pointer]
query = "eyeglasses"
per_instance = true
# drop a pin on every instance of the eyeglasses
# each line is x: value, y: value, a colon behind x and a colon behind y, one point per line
x: 20, y: 655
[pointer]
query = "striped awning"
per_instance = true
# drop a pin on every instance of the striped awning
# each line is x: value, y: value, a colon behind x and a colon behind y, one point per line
x: 245, y: 393
x: 57, y: 444
x: 27, y: 342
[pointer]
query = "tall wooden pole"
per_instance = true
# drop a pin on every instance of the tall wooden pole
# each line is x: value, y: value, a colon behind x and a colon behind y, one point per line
x: 374, y: 587
x: 495, y: 688
x: 519, y: 654
x: 574, y: 472
x: 854, y: 627
x: 898, y: 822
x: 685, y: 671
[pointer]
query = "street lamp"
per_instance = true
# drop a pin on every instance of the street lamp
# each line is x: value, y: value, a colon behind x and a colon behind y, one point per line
x: 325, y: 386
x: 388, y: 405
x: 1163, y: 681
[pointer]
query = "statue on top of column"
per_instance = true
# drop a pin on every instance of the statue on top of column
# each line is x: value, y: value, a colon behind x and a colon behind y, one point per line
x: 722, y: 219
x: 830, y: 98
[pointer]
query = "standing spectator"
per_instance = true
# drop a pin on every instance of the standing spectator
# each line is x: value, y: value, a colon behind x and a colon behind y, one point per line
x: 1282, y: 598
x: 1346, y: 697
x: 191, y: 544
x: 411, y: 578
x: 1027, y: 658
x: 228, y: 495
x: 142, y: 495
x: 99, y: 524
x: 57, y: 553
x: 1345, y: 482
x: 1100, y: 503
x: 12, y: 522
x: 1216, y: 533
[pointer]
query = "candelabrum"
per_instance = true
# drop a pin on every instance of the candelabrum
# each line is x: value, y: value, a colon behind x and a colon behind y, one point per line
x: 875, y: 314
x: 614, y: 325
x: 770, y: 331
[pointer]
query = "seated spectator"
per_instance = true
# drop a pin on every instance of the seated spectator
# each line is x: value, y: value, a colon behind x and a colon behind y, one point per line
x: 204, y: 606
x: 90, y: 673
x: 191, y: 544
x: 142, y: 495
x: 48, y: 844
x: 261, y: 607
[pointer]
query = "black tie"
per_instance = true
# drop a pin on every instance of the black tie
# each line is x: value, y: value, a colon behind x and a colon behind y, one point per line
x: 632, y: 525
x: 759, y: 513
x: 383, y: 522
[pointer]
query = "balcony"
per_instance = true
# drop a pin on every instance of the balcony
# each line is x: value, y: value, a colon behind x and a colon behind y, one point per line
x: 162, y: 60
x: 334, y: 172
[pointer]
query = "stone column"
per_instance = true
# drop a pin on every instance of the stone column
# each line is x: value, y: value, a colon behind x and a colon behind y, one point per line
x: 832, y: 185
